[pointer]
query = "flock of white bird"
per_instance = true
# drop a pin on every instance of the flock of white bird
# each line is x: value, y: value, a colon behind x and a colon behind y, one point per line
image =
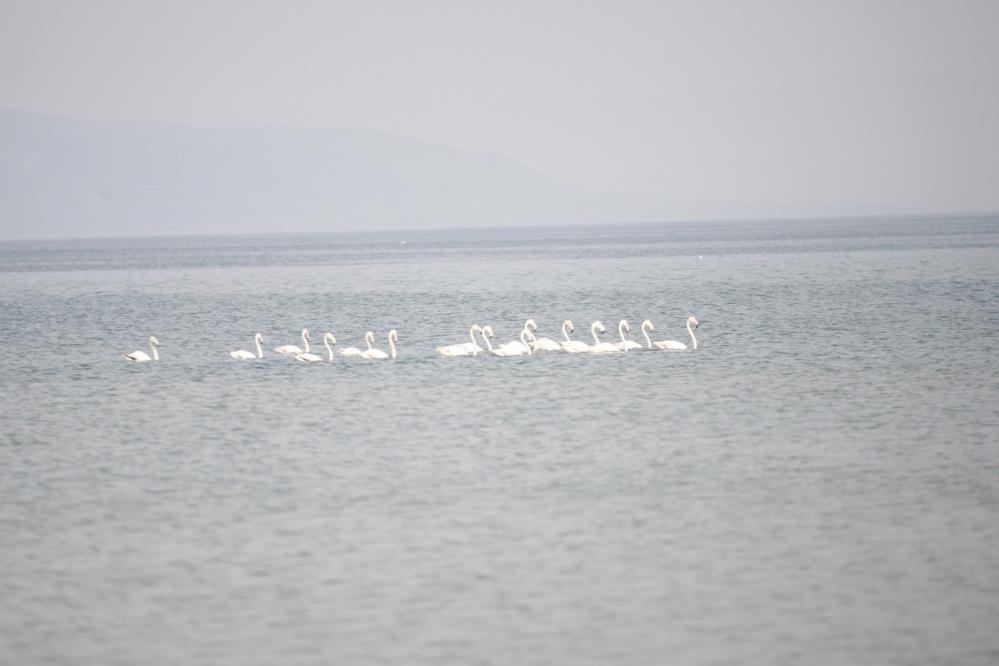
x: 528, y: 344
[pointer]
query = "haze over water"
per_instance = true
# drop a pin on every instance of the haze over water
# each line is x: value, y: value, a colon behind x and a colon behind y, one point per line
x: 815, y: 484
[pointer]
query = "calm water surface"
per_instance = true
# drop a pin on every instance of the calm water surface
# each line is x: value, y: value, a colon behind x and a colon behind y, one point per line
x: 816, y: 484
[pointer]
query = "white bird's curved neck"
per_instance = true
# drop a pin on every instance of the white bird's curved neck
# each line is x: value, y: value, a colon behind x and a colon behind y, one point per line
x: 565, y: 333
x: 620, y: 330
x: 329, y: 350
x: 485, y: 338
x: 648, y: 340
x: 305, y: 341
x: 593, y: 332
x: 392, y: 346
x: 692, y: 338
x: 156, y: 354
x: 260, y: 352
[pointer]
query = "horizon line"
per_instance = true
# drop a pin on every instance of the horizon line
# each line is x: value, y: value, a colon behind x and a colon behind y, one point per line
x: 889, y: 217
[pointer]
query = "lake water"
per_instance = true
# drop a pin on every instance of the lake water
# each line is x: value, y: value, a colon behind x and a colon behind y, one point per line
x: 818, y: 483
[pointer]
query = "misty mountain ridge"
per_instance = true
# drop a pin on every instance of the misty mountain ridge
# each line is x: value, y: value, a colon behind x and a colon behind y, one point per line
x: 62, y: 178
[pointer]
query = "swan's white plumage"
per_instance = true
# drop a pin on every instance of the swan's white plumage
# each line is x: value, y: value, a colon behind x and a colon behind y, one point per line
x: 328, y: 339
x: 541, y: 344
x: 291, y: 350
x: 378, y: 354
x: 243, y: 355
x: 140, y: 356
x: 369, y: 337
x: 675, y: 345
x: 517, y: 347
x: 546, y: 344
x: 487, y: 334
x: 625, y: 344
x: 646, y: 327
x: 569, y: 345
x: 600, y: 347
x: 465, y: 348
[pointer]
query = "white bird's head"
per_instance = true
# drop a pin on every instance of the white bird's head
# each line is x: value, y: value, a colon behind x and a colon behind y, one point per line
x: 153, y: 341
x: 259, y: 338
x: 329, y: 338
x: 598, y: 326
x: 623, y: 324
x: 394, y: 335
x: 530, y: 325
x: 648, y: 325
x: 305, y: 334
x: 487, y: 331
x: 692, y: 321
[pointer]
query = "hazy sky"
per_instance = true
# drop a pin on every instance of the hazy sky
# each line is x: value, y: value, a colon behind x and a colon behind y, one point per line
x: 881, y: 104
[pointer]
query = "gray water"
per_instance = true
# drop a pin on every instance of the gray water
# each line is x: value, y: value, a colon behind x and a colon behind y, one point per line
x: 817, y: 483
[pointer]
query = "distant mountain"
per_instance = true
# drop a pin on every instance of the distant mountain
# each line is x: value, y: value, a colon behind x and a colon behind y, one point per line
x: 63, y: 178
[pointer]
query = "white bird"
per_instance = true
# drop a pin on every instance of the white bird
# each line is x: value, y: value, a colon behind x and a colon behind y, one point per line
x: 306, y: 357
x: 376, y: 354
x: 541, y: 344
x: 519, y: 345
x: 646, y: 327
x: 244, y: 355
x: 515, y: 348
x: 572, y: 346
x: 369, y: 337
x: 295, y: 349
x: 674, y: 345
x: 465, y: 349
x: 141, y: 356
x: 600, y: 347
x: 487, y: 334
x: 625, y: 344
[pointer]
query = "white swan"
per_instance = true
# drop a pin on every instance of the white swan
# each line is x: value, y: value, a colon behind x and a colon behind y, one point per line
x: 515, y: 348
x: 244, y: 355
x: 306, y: 357
x: 541, y: 344
x: 295, y: 349
x: 572, y: 346
x: 369, y: 337
x: 673, y: 345
x: 600, y: 347
x: 519, y: 345
x: 487, y: 334
x: 141, y: 356
x: 377, y: 354
x: 625, y: 344
x: 646, y: 327
x: 465, y: 349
